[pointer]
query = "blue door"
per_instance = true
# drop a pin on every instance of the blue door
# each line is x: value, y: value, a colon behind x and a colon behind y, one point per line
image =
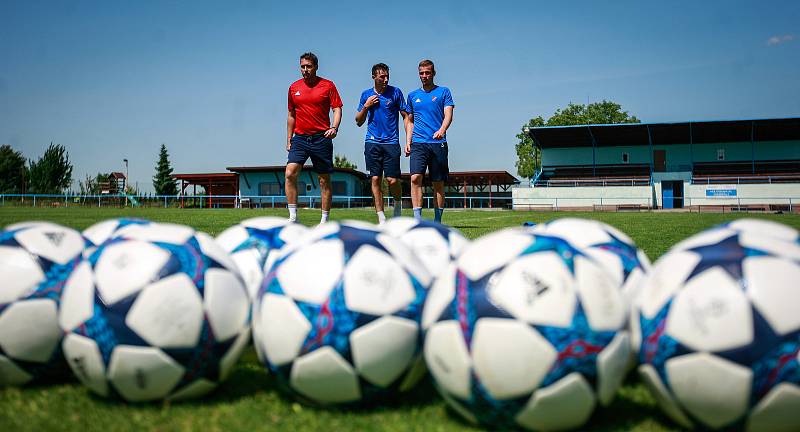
x: 667, y: 195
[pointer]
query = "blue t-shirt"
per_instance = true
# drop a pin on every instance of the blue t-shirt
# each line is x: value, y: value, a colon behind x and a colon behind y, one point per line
x: 382, y: 118
x: 428, y: 111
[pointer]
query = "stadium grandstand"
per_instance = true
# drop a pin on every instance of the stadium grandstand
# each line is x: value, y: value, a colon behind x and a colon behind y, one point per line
x: 709, y: 165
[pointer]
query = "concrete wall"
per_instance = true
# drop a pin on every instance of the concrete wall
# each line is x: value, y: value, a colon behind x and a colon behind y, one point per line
x: 557, y: 197
x: 745, y: 194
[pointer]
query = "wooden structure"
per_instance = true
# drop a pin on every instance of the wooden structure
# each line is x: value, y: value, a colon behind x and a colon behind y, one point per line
x: 221, y: 189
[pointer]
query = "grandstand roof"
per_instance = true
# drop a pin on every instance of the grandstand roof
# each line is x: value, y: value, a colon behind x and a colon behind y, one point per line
x: 631, y: 134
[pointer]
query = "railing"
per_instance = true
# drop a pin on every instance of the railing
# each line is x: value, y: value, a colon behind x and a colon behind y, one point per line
x: 785, y: 178
x: 237, y: 201
x: 627, y: 203
x: 629, y: 181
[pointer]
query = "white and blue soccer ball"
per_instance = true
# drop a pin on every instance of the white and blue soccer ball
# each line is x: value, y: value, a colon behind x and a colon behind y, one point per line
x: 719, y: 331
x: 36, y: 259
x: 337, y: 317
x: 526, y: 330
x: 101, y: 232
x: 158, y: 311
x: 610, y: 247
x: 759, y: 227
x: 435, y: 245
x: 254, y: 243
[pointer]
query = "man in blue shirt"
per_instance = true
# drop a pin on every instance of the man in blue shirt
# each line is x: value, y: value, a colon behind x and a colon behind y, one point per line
x: 432, y: 110
x: 380, y: 106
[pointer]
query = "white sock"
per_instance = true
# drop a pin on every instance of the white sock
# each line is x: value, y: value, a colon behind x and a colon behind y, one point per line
x: 292, y: 212
x: 324, y: 217
x: 381, y: 218
x: 398, y: 208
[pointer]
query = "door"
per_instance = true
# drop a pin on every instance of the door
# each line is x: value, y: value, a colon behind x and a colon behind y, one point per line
x: 659, y: 160
x: 677, y: 194
x: 667, y: 195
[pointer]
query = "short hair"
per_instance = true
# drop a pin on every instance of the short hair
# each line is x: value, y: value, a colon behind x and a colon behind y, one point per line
x: 310, y: 57
x: 380, y: 66
x: 427, y: 62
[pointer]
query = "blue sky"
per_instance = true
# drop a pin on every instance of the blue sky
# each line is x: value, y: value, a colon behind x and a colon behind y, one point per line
x: 115, y: 79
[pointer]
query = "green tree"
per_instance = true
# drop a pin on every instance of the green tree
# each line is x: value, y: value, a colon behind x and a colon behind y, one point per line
x: 52, y: 173
x: 163, y: 182
x: 340, y: 161
x: 604, y: 112
x: 91, y: 186
x: 12, y: 170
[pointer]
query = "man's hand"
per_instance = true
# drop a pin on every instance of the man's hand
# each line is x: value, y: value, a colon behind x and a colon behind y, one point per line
x: 372, y: 100
x: 439, y: 134
x: 288, y: 145
x: 330, y: 133
x: 408, y: 149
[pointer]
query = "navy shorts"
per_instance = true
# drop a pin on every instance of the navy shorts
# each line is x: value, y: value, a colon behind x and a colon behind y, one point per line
x: 383, y: 160
x: 431, y: 157
x: 316, y: 147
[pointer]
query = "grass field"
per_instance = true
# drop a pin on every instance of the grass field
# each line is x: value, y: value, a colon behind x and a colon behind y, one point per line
x: 250, y: 400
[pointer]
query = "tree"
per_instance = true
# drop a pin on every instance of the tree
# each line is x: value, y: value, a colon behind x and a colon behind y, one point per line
x: 52, y: 173
x: 91, y: 186
x: 604, y: 112
x: 12, y: 170
x: 163, y: 182
x: 340, y: 161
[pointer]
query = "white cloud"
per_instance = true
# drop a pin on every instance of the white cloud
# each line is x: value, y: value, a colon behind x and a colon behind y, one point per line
x: 775, y: 40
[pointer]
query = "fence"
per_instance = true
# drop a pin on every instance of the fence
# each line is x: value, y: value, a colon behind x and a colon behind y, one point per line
x: 236, y: 201
x: 699, y: 204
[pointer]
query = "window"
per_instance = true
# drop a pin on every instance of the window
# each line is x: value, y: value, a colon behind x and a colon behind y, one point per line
x: 339, y: 187
x: 269, y: 188
x: 720, y: 154
x: 625, y: 157
x: 301, y: 188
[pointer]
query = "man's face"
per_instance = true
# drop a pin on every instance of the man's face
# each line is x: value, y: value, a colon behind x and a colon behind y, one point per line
x: 426, y: 74
x: 308, y: 69
x: 381, y: 78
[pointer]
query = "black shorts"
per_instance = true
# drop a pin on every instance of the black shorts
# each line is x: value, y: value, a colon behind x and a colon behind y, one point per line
x: 317, y: 147
x: 383, y: 160
x: 431, y: 157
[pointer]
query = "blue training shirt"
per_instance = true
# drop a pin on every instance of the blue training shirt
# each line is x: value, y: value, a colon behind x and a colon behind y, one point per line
x: 428, y: 111
x: 382, y: 118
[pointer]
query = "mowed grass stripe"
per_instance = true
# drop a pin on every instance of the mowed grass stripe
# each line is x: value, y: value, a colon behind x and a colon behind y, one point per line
x: 250, y: 400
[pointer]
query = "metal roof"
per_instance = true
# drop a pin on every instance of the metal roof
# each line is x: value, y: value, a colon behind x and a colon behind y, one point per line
x: 630, y: 134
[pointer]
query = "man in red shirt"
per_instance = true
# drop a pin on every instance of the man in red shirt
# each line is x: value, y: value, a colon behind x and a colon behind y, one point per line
x: 309, y: 132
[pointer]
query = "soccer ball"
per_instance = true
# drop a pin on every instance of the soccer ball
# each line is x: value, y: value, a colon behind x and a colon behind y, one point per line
x: 159, y: 311
x: 760, y: 227
x: 720, y: 331
x: 36, y: 258
x: 337, y: 317
x: 434, y: 244
x: 253, y: 245
x: 610, y: 247
x: 525, y: 330
x: 100, y: 232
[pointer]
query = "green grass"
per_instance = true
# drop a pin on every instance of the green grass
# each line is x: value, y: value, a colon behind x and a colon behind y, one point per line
x: 250, y: 400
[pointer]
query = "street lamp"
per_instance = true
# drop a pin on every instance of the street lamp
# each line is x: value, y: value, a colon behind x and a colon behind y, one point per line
x: 125, y: 185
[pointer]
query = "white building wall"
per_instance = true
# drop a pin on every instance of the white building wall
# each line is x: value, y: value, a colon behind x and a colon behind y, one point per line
x: 587, y: 196
x: 745, y: 194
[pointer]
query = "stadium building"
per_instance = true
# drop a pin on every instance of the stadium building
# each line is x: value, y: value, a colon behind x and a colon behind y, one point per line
x: 711, y: 165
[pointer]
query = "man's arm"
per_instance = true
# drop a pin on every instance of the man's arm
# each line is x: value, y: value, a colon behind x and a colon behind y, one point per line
x: 337, y: 118
x: 289, y: 129
x: 408, y: 122
x: 361, y: 116
x: 448, y: 118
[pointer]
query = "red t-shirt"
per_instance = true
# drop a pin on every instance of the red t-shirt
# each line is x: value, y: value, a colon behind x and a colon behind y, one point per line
x: 312, y: 105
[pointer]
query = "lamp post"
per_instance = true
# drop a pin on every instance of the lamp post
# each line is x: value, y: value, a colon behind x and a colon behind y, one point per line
x: 125, y: 185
